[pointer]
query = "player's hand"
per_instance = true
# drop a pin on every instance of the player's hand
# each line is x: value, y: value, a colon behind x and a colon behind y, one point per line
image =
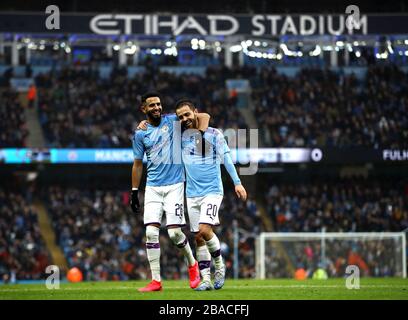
x: 241, y: 192
x: 134, y: 201
x: 142, y: 125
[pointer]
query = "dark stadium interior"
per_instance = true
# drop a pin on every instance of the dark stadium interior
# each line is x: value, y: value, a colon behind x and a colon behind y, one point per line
x: 234, y: 6
x: 89, y: 211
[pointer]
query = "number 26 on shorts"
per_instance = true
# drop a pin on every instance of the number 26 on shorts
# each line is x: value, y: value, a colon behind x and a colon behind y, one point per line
x: 179, y: 210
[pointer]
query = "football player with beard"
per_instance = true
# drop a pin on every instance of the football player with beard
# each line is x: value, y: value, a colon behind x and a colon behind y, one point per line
x: 165, y: 184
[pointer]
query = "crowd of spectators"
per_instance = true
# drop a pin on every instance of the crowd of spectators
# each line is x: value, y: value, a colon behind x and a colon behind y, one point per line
x: 23, y: 254
x: 78, y: 108
x: 13, y: 126
x: 316, y: 107
x: 100, y: 235
x: 374, y: 258
x: 321, y: 107
x: 349, y: 205
x: 245, y: 219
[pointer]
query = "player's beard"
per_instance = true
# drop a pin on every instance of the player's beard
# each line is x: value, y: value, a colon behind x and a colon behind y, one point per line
x: 191, y: 123
x: 155, y: 116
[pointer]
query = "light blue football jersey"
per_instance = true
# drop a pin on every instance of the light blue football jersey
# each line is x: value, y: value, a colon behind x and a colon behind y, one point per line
x: 203, y: 169
x: 162, y: 145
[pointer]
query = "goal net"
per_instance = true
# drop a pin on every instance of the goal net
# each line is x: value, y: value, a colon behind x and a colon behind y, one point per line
x: 286, y: 255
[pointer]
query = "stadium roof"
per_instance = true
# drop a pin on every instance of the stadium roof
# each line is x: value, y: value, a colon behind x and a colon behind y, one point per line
x: 227, y: 6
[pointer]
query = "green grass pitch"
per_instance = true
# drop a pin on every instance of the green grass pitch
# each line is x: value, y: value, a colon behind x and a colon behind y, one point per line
x: 335, y: 289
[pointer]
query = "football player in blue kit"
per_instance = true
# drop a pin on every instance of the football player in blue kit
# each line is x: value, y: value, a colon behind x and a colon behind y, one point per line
x: 203, y: 151
x: 164, y: 187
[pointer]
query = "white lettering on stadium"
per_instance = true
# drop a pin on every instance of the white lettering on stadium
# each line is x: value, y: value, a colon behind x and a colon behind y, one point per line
x: 222, y: 25
x: 114, y: 156
x: 395, y: 155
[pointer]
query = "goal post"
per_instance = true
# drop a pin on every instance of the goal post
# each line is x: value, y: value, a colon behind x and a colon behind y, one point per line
x: 377, y: 254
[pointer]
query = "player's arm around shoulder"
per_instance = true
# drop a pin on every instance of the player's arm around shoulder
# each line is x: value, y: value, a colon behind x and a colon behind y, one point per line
x: 203, y: 121
x: 142, y: 125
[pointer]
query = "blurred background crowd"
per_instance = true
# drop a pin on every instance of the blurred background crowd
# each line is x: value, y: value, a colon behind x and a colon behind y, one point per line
x: 317, y: 107
x: 23, y: 254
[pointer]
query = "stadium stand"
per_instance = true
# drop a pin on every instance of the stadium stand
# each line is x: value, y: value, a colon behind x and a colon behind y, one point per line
x: 320, y: 107
x: 13, y: 126
x: 374, y: 258
x: 100, y: 235
x: 340, y: 205
x: 343, y: 205
x: 23, y: 254
x: 80, y: 109
x: 316, y: 107
x: 249, y: 222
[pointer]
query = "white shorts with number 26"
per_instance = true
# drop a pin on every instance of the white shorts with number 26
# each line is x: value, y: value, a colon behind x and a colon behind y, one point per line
x: 168, y: 199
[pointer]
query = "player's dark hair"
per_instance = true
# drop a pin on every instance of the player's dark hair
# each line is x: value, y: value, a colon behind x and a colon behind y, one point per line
x: 185, y: 102
x: 150, y: 94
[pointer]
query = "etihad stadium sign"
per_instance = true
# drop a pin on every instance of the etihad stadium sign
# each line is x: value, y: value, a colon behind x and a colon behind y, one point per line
x: 205, y: 25
x: 223, y: 25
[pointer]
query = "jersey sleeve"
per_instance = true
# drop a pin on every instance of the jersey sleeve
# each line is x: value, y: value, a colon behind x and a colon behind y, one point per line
x: 221, y: 144
x: 138, y: 146
x: 229, y: 166
x: 172, y: 117
x: 225, y: 154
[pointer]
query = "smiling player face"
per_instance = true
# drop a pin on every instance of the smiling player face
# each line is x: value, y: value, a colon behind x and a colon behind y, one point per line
x: 153, y: 108
x: 187, y: 117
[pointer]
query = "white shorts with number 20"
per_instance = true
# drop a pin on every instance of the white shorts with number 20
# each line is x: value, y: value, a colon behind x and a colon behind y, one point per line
x: 204, y: 210
x: 169, y: 199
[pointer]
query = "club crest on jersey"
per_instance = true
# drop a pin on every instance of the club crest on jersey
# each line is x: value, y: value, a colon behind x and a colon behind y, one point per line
x: 165, y: 128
